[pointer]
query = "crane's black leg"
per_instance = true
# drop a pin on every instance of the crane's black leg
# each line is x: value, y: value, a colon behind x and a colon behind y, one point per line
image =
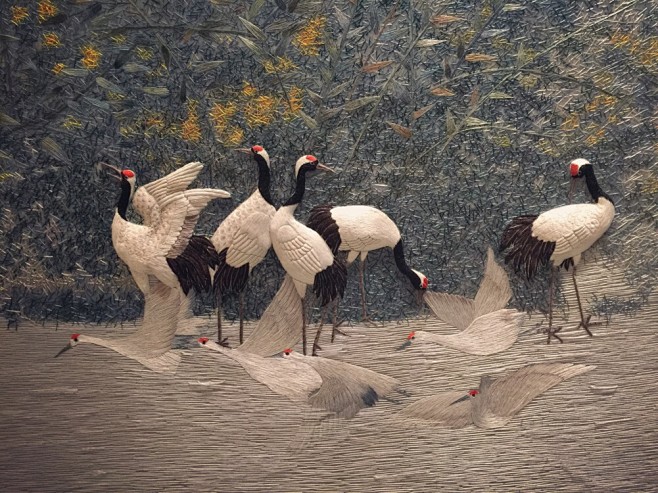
x: 316, y: 342
x: 584, y: 322
x: 303, y: 302
x: 552, y: 331
x: 220, y: 341
x: 241, y: 317
x: 336, y: 322
x: 362, y: 285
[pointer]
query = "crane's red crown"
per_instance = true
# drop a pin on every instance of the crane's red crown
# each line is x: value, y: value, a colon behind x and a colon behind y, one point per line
x: 310, y: 157
x: 74, y: 337
x: 473, y: 392
x: 256, y: 149
x: 426, y: 281
x: 411, y: 335
x: 203, y: 340
x: 574, y: 169
x: 287, y: 351
x: 127, y: 173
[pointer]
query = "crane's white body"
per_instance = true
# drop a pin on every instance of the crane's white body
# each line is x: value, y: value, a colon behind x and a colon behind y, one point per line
x: 574, y: 228
x: 498, y: 401
x: 486, y: 326
x: 169, y: 223
x: 363, y: 229
x: 246, y: 232
x: 302, y: 252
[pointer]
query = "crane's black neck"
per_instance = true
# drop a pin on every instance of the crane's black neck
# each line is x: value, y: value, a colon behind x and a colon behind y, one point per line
x: 398, y: 254
x: 299, y: 188
x: 124, y: 198
x: 593, y: 185
x: 264, y: 178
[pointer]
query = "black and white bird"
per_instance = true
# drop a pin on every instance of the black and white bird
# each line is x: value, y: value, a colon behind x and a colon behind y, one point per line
x: 303, y: 253
x: 497, y: 401
x: 161, y: 246
x: 243, y: 239
x: 358, y: 230
x: 560, y: 236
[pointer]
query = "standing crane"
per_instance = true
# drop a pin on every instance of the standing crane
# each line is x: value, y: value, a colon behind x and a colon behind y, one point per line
x: 486, y: 326
x: 496, y: 401
x: 243, y: 239
x: 303, y: 253
x: 358, y: 230
x: 560, y: 236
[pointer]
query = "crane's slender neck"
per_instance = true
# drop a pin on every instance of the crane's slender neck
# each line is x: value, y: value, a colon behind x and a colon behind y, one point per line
x: 398, y: 254
x: 124, y: 198
x: 593, y: 185
x: 299, y: 189
x: 264, y: 178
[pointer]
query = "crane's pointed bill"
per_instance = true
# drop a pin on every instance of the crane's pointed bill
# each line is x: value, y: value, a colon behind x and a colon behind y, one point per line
x: 404, y: 345
x: 116, y: 170
x: 63, y: 350
x: 573, y: 187
x: 322, y: 167
x: 244, y: 150
x: 462, y: 399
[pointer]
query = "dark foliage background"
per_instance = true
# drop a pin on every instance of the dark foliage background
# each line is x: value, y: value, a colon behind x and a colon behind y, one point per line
x: 450, y: 116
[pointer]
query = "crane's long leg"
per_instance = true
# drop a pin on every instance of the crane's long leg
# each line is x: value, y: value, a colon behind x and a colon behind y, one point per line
x: 316, y: 342
x: 552, y: 332
x: 362, y: 285
x: 241, y: 317
x: 220, y: 341
x: 337, y: 324
x: 584, y: 322
x: 303, y: 302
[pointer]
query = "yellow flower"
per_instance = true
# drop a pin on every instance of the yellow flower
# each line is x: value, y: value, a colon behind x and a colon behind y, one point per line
x: 144, y: 53
x: 46, y: 9
x: 308, y: 39
x: 19, y: 14
x: 90, y: 56
x: 71, y: 122
x: 190, y: 130
x: 281, y: 64
x: 51, y: 40
x: 249, y: 90
x: 234, y: 137
x: 570, y: 123
x: 260, y: 111
x: 57, y: 68
x: 294, y: 103
x: 595, y: 138
x: 118, y: 39
x: 528, y: 81
x: 221, y: 114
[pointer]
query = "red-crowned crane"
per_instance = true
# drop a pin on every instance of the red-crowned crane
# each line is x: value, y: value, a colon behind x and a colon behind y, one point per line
x: 497, y: 401
x: 485, y: 325
x: 243, y: 239
x: 560, y: 236
x: 303, y: 253
x: 160, y: 246
x: 359, y: 229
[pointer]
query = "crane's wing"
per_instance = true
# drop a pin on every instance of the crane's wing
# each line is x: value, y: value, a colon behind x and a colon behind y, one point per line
x: 568, y: 226
x: 454, y: 310
x: 346, y: 388
x: 495, y: 291
x: 441, y: 409
x: 146, y: 206
x: 251, y: 241
x: 175, y: 182
x: 507, y: 395
x: 180, y: 213
x: 303, y: 252
x: 280, y: 326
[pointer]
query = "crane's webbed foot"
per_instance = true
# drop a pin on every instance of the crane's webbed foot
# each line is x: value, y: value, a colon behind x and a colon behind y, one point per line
x: 315, y: 349
x: 224, y: 342
x: 552, y: 332
x: 586, y: 324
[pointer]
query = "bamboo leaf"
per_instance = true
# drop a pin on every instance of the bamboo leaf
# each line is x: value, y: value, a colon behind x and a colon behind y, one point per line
x: 475, y: 97
x: 106, y: 84
x: 104, y: 105
x: 8, y: 121
x: 374, y: 67
x: 500, y: 95
x: 480, y: 57
x: 426, y: 43
x: 255, y: 8
x: 203, y: 67
x: 400, y: 130
x: 134, y: 68
x: 451, y: 127
x: 76, y: 72
x: 338, y: 89
x: 156, y: 91
x: 360, y: 103
x: 420, y: 112
x: 51, y: 147
x: 253, y: 47
x: 315, y: 97
x: 253, y: 29
x: 439, y: 20
x: 310, y: 122
x: 511, y: 7
x: 441, y: 92
x: 166, y: 56
x: 471, y: 121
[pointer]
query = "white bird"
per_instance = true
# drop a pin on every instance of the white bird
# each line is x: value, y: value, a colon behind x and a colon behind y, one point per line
x: 303, y: 253
x: 486, y: 326
x: 243, y: 239
x: 497, y: 401
x: 358, y: 230
x: 149, y: 345
x: 335, y: 386
x: 560, y: 236
x: 151, y: 249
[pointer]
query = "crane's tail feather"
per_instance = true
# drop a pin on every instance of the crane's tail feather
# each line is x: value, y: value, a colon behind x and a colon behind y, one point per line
x: 330, y: 283
x: 527, y: 252
x: 229, y: 278
x: 191, y: 266
x: 320, y: 220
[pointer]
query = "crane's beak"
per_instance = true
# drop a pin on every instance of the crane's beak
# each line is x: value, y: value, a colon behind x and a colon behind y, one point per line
x: 63, y: 350
x: 244, y: 150
x: 461, y: 399
x: 575, y: 182
x: 322, y: 167
x: 404, y: 345
x: 117, y: 171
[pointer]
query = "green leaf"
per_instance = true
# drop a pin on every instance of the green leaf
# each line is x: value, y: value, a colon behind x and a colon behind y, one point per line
x: 310, y: 122
x: 500, y: 95
x: 8, y: 121
x: 253, y: 47
x: 471, y: 121
x: 203, y: 67
x: 75, y: 72
x: 255, y: 8
x: 106, y: 84
x: 451, y: 127
x: 360, y: 103
x: 156, y: 91
x: 253, y: 29
x: 52, y: 148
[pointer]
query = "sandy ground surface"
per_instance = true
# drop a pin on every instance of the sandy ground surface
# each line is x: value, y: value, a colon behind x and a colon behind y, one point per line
x: 92, y: 420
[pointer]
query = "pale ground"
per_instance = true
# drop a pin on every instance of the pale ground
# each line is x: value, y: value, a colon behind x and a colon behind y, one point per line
x: 95, y: 421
